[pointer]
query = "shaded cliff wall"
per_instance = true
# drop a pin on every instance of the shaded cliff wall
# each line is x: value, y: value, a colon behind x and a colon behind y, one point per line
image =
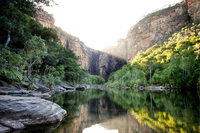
x: 156, y: 27
x: 96, y: 62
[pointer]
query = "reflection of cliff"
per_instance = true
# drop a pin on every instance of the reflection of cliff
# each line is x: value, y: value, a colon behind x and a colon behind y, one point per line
x: 105, y: 112
x: 126, y: 124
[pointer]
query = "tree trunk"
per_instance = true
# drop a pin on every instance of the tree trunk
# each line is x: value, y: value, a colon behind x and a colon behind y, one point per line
x: 8, y: 39
x: 150, y: 76
x: 22, y: 67
x: 29, y: 72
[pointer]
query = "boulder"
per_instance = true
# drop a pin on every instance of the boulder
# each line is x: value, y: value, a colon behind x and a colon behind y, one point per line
x: 141, y: 87
x: 22, y: 112
x: 4, y: 129
x: 35, y: 86
x: 7, y: 91
x: 3, y: 83
x: 68, y: 87
x: 59, y: 89
x: 80, y: 89
x: 40, y: 129
x: 41, y: 88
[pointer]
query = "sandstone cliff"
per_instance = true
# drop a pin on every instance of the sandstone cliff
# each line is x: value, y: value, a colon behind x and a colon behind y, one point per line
x: 193, y: 8
x: 45, y: 19
x: 155, y: 28
x: 96, y: 62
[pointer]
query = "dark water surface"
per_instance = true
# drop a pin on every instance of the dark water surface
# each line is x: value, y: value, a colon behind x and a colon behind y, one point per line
x: 128, y: 111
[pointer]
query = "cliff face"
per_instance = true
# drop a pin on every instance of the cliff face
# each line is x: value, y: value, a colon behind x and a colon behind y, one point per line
x: 96, y: 62
x: 156, y: 28
x: 45, y: 19
x: 153, y: 29
x: 193, y: 8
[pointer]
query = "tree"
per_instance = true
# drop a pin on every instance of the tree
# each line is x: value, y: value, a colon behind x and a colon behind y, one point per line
x: 13, y: 15
x: 150, y: 63
x: 34, y: 50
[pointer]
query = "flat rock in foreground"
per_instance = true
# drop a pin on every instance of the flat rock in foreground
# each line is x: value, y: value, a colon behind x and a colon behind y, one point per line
x: 22, y: 112
x: 7, y: 91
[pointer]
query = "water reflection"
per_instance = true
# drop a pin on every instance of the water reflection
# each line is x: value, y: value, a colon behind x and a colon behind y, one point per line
x: 163, y: 112
x: 129, y: 111
x: 98, y: 129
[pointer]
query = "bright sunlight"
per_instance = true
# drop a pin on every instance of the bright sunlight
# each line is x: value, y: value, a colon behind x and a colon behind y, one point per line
x: 102, y: 22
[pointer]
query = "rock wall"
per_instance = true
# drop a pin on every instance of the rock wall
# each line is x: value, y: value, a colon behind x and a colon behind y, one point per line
x: 45, y: 19
x: 153, y: 29
x: 96, y: 62
x: 193, y: 8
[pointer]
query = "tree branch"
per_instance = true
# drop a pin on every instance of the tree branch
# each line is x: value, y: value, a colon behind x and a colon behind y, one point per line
x: 8, y: 40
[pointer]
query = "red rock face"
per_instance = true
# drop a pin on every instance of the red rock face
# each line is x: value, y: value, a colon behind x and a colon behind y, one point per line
x: 96, y: 62
x: 193, y: 8
x: 151, y: 30
x: 79, y: 48
x: 47, y: 20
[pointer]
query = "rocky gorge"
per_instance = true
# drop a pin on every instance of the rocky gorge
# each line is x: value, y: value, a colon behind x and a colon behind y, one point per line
x: 156, y: 28
x: 26, y: 108
x: 153, y: 29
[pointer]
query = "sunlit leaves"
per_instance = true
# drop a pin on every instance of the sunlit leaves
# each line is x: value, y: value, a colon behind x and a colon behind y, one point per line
x: 175, y: 60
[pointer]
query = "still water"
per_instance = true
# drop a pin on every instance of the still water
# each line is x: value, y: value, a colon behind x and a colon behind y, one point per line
x: 128, y: 111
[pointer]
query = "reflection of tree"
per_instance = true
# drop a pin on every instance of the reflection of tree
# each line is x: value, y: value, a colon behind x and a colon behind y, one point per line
x: 172, y: 112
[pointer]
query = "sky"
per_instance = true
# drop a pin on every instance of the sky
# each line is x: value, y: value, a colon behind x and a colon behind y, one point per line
x: 99, y: 23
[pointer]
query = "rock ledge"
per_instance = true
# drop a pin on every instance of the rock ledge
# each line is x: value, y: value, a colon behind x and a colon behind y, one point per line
x: 22, y: 112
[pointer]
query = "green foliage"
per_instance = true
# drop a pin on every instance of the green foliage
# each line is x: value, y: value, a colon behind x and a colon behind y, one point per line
x: 92, y: 79
x: 128, y: 76
x: 29, y: 48
x: 9, y: 65
x: 177, y: 62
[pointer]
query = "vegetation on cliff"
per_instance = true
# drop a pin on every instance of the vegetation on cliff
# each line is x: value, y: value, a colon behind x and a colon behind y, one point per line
x: 176, y: 63
x: 28, y: 48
